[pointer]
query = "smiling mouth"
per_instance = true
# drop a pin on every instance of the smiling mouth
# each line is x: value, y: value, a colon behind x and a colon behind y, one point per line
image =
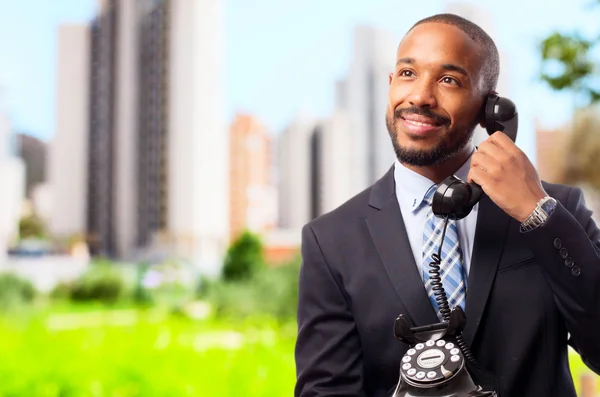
x: 420, y: 123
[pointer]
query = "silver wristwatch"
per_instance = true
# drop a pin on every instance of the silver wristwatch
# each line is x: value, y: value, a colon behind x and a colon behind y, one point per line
x: 540, y: 214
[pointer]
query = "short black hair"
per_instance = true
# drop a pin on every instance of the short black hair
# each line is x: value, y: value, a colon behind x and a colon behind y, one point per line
x: 491, y: 58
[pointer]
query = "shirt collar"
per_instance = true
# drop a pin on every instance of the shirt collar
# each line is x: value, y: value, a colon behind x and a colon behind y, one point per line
x: 411, y: 186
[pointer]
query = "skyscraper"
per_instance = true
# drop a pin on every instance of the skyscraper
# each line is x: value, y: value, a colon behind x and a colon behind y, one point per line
x: 12, y: 175
x: 334, y: 182
x: 68, y: 157
x: 294, y: 179
x: 156, y: 144
x: 314, y: 172
x: 197, y: 165
x: 363, y: 95
x: 100, y: 197
x: 252, y: 198
x: 152, y: 56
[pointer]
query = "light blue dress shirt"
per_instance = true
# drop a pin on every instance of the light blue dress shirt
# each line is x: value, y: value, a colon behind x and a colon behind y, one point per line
x: 410, y: 191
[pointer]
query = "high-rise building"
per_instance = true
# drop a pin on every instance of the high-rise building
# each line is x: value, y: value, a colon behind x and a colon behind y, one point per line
x: 5, y: 127
x: 100, y: 219
x: 33, y: 152
x: 127, y: 131
x: 332, y: 180
x: 157, y: 151
x: 12, y: 175
x: 197, y: 163
x: 252, y: 198
x: 364, y: 96
x: 314, y: 172
x: 68, y: 150
x: 294, y: 174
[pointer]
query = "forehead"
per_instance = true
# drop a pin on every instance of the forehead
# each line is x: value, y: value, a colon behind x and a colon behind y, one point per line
x: 436, y: 44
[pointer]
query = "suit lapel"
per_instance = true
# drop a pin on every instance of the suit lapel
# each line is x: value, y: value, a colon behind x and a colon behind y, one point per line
x: 490, y: 235
x: 391, y: 241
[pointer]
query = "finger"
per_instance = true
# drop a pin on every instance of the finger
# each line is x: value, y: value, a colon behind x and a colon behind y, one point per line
x: 501, y: 139
x: 478, y: 176
x: 485, y: 162
x: 494, y: 151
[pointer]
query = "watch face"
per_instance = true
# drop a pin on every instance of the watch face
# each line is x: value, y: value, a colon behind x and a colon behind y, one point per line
x: 549, y: 206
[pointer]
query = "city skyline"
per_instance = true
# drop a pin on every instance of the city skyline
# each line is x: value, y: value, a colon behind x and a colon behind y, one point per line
x: 311, y: 62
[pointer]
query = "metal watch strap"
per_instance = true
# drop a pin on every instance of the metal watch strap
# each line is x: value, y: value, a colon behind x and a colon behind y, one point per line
x: 539, y: 216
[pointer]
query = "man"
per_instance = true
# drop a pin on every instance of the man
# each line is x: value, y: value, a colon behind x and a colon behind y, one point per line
x: 528, y: 291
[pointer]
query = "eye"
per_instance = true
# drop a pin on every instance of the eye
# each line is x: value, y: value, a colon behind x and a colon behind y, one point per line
x: 406, y: 73
x: 450, y: 80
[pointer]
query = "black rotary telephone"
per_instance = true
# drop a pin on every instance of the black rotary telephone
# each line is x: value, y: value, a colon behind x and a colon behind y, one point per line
x: 439, y: 362
x: 454, y: 198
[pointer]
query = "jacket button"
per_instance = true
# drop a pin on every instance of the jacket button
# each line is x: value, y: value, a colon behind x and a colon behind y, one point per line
x: 576, y: 271
x: 563, y: 252
x: 569, y: 262
x: 557, y: 243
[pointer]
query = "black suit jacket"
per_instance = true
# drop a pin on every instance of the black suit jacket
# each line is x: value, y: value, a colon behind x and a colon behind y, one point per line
x: 529, y: 296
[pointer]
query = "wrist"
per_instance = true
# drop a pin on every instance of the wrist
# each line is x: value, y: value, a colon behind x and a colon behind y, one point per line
x: 530, y: 206
x: 542, y: 211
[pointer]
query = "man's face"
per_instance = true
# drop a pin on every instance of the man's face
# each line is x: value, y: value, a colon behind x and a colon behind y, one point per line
x: 435, y: 94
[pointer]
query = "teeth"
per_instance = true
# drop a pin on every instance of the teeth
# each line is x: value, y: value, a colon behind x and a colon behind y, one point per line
x: 419, y: 123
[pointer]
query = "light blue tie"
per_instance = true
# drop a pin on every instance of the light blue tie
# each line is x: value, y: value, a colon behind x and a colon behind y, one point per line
x: 451, y: 268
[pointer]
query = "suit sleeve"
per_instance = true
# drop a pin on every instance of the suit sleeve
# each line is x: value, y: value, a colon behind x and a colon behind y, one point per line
x: 328, y: 354
x: 568, y: 247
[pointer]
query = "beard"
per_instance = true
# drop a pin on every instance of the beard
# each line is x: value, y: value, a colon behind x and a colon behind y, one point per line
x: 441, y: 152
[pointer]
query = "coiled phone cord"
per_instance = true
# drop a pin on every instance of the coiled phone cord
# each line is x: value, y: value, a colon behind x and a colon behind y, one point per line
x: 440, y: 294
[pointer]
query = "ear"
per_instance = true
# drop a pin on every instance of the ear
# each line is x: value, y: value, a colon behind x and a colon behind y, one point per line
x: 390, y: 77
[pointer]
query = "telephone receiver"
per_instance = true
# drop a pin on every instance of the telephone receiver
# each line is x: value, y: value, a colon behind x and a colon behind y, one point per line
x: 455, y: 198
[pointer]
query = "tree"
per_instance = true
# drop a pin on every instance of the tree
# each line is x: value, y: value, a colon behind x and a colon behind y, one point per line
x: 567, y: 65
x: 244, y: 258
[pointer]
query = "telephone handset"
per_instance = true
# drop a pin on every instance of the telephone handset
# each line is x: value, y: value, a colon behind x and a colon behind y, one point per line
x: 454, y: 198
x: 439, y: 362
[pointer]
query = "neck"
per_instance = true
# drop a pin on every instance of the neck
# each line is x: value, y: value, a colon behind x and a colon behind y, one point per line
x: 439, y: 172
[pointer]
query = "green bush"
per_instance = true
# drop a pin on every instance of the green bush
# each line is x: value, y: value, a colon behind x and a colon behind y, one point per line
x: 15, y: 291
x: 271, y: 292
x: 102, y: 282
x: 244, y: 258
x: 32, y: 226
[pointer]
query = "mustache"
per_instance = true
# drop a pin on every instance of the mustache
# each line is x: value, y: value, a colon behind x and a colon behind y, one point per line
x: 437, y: 118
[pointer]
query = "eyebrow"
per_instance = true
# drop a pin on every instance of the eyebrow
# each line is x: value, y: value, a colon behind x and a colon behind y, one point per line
x: 405, y: 60
x: 448, y: 66
x: 455, y: 68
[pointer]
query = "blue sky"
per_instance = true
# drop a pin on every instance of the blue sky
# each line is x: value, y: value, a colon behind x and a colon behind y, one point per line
x: 284, y: 56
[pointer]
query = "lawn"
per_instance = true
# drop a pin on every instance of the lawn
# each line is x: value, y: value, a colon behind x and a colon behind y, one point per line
x: 76, y: 352
x: 126, y: 353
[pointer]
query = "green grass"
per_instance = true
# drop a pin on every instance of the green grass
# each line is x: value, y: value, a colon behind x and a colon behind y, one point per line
x: 94, y: 352
x: 127, y: 353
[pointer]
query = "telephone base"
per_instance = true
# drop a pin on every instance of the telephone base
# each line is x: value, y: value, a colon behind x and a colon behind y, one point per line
x: 461, y: 386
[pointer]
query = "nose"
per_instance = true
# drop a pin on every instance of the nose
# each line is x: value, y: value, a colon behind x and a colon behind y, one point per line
x: 423, y: 94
